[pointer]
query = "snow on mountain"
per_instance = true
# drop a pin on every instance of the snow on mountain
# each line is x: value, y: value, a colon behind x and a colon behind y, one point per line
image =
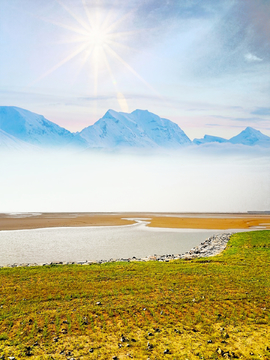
x: 251, y: 137
x: 138, y: 129
x: 9, y: 142
x: 35, y: 129
x: 209, y: 139
x: 20, y: 128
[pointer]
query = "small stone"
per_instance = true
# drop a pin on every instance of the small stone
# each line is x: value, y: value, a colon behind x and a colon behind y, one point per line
x: 149, y: 346
x: 98, y: 303
x: 55, y: 339
x: 35, y: 343
x: 167, y: 351
x: 115, y: 358
x: 65, y: 322
x: 91, y: 350
x: 122, y: 339
x: 209, y: 341
x: 12, y: 358
x: 28, y: 351
x: 128, y: 345
x: 220, y: 351
x: 150, y: 334
x: 144, y: 309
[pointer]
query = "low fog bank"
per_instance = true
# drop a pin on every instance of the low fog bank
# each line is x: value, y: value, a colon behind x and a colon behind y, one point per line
x: 209, y: 180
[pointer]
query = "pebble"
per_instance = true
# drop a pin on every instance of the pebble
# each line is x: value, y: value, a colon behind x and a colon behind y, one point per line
x: 212, y: 246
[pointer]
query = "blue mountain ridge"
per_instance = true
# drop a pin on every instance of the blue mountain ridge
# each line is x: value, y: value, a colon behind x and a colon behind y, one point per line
x: 138, y: 129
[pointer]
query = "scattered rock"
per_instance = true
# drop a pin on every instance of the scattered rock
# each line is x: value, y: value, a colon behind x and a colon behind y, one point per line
x: 209, y: 341
x: 98, y: 303
x: 220, y: 351
x: 210, y: 247
x: 167, y: 351
x: 85, y: 320
x: 28, y: 351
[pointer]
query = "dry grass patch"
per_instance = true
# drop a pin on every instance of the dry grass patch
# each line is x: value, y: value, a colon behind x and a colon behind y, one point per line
x: 201, y: 309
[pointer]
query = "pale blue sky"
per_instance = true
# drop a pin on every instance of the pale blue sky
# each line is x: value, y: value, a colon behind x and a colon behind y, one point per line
x: 201, y: 63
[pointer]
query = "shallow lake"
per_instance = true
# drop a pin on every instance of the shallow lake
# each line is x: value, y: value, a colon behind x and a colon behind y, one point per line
x: 96, y: 243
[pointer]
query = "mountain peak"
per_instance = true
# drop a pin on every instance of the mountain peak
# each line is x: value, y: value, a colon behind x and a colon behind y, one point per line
x: 110, y: 113
x: 35, y: 129
x: 137, y: 129
x: 251, y: 136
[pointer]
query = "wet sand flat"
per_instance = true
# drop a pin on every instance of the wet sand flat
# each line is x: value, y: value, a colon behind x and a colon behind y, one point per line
x: 181, y: 220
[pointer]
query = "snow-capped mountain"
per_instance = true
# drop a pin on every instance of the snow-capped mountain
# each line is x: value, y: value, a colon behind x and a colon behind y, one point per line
x: 9, y: 142
x: 35, y: 129
x: 138, y: 129
x: 209, y: 139
x: 21, y: 129
x: 251, y: 137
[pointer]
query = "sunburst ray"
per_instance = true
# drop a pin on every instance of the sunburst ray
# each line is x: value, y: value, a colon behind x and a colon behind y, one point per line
x: 58, y: 65
x: 130, y: 68
x: 77, y: 18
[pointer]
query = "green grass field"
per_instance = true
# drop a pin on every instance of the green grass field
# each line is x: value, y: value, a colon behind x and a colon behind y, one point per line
x: 201, y: 309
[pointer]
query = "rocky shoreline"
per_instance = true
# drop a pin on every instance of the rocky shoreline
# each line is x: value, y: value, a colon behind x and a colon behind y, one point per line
x: 212, y: 246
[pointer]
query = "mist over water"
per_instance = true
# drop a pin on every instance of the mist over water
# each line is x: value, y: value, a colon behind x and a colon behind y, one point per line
x: 190, y: 180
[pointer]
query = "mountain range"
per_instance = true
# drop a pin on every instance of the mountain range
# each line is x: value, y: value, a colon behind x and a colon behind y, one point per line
x: 22, y: 129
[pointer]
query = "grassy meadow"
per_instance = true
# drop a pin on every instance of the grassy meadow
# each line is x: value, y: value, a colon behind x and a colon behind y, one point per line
x: 209, y: 308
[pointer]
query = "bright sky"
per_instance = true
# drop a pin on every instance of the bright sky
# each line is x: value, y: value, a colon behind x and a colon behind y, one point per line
x: 201, y: 63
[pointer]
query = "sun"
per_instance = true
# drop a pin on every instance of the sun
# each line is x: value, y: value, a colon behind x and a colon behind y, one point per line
x: 98, y: 39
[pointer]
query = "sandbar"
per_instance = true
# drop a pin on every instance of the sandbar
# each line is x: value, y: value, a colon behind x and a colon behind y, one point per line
x: 215, y: 221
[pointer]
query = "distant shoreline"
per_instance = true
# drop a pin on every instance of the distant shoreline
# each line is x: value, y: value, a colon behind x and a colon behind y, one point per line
x: 216, y: 221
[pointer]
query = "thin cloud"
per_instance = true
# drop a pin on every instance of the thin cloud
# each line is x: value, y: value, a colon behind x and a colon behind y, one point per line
x: 261, y: 111
x: 252, y: 58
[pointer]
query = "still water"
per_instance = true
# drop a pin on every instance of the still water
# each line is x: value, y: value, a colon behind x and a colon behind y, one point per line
x: 95, y: 243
